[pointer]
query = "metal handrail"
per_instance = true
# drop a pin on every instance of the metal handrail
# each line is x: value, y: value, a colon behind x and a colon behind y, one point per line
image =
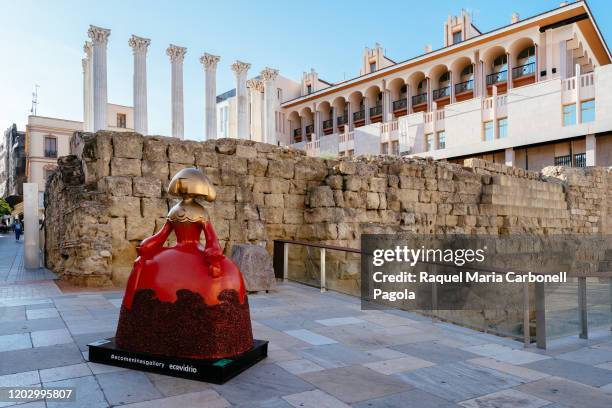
x: 523, y: 70
x: 400, y: 104
x: 497, y: 77
x: 342, y: 120
x: 419, y: 99
x: 328, y: 124
x: 376, y: 110
x: 441, y: 93
x: 359, y: 115
x: 464, y: 86
x: 309, y: 129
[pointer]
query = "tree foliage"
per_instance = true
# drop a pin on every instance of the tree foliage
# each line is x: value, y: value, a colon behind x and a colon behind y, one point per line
x: 5, y: 208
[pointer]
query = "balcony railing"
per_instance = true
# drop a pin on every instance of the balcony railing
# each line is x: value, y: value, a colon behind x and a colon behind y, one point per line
x: 580, y: 160
x: 376, y: 110
x: 342, y: 120
x: 523, y: 70
x: 297, y: 132
x: 360, y: 115
x: 309, y: 129
x: 328, y: 124
x: 419, y: 99
x: 501, y: 76
x: 50, y: 153
x: 441, y: 93
x: 466, y: 86
x: 400, y: 104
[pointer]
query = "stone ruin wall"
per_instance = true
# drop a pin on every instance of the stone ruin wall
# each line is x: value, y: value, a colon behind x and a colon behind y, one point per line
x: 111, y: 193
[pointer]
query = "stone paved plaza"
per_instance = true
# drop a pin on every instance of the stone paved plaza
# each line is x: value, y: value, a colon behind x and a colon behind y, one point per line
x: 325, y: 352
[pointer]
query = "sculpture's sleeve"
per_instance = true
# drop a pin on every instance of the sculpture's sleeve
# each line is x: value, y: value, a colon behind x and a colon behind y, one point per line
x: 213, y: 255
x: 152, y: 245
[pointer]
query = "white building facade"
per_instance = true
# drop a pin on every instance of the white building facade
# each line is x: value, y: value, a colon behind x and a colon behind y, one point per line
x: 534, y: 93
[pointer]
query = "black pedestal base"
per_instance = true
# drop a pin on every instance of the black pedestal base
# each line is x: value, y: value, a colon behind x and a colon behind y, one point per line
x: 214, y: 371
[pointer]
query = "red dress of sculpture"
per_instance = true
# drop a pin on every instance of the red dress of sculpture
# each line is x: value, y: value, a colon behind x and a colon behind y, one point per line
x: 187, y: 300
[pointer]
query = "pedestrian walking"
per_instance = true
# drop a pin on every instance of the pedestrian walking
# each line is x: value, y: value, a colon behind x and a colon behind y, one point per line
x: 18, y: 229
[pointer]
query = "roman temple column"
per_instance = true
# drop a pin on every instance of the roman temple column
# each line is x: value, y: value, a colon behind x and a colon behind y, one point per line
x: 255, y: 94
x: 99, y: 38
x: 268, y: 77
x: 139, y: 47
x: 210, y: 95
x: 87, y: 88
x: 177, y: 55
x: 242, y: 115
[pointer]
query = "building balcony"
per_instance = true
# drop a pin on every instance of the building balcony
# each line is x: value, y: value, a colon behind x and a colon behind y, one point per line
x: 462, y: 87
x: 400, y: 104
x: 342, y: 120
x: 359, y: 115
x: 50, y: 153
x: 309, y: 129
x: 441, y: 93
x: 419, y: 99
x: 376, y: 110
x: 523, y: 70
x: 297, y: 132
x: 328, y: 124
x: 497, y: 77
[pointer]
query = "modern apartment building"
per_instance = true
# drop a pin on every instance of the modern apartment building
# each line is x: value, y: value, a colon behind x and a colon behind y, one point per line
x: 534, y: 93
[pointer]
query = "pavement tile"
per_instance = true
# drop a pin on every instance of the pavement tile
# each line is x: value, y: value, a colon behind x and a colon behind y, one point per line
x: 283, y: 323
x: 270, y: 403
x: 82, y: 340
x: 606, y: 366
x: 18, y: 341
x: 88, y: 393
x: 459, y: 381
x: 170, y: 386
x: 12, y: 313
x: 104, y: 368
x: 41, y: 313
x: 24, y: 326
x: 505, y: 354
x: 39, y: 358
x: 355, y: 383
x: 335, y: 355
x: 505, y: 399
x: 582, y: 373
x: 126, y: 387
x: 568, y: 393
x: 588, y: 355
x: 398, y: 365
x: 65, y: 372
x: 201, y: 399
x: 386, y: 353
x: 314, y: 399
x: 20, y: 379
x: 517, y: 371
x: 339, y: 321
x: 408, y: 399
x: 310, y: 337
x: 50, y: 337
x: 300, y: 366
x: 434, y: 352
x: 261, y: 383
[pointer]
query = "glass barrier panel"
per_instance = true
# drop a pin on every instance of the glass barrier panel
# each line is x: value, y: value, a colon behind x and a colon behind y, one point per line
x: 561, y: 309
x: 599, y: 307
x: 304, y: 264
x: 343, y: 272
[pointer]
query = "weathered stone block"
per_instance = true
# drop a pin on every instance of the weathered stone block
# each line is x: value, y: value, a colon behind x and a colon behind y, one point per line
x: 155, y: 148
x: 372, y: 201
x: 125, y: 167
x: 310, y: 170
x: 117, y: 185
x: 274, y: 200
x: 294, y: 200
x: 155, y: 169
x: 226, y: 211
x: 272, y: 215
x: 248, y: 152
x: 321, y: 196
x: 146, y: 187
x: 154, y: 207
x: 256, y: 266
x: 183, y: 152
x: 293, y: 216
x: 280, y: 168
x: 378, y: 184
x: 257, y: 166
x: 124, y: 206
x: 139, y: 228
x: 127, y: 145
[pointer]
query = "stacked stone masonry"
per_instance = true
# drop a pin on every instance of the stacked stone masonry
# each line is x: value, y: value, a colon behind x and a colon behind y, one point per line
x: 112, y: 193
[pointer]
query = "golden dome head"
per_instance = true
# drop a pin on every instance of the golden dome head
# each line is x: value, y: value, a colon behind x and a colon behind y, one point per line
x: 192, y: 182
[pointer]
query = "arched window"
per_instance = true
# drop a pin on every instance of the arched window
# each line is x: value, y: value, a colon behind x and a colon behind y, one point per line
x: 500, y: 63
x: 467, y: 73
x: 422, y: 87
x: 444, y: 79
x: 527, y: 56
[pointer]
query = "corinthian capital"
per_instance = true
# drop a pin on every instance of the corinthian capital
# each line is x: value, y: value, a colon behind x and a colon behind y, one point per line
x: 176, y: 53
x: 88, y: 48
x: 255, y: 85
x: 209, y: 61
x: 269, y: 74
x: 139, y: 44
x: 98, y: 35
x: 240, y: 67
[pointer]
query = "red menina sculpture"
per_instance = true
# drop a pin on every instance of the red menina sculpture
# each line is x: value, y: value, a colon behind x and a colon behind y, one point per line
x: 188, y: 300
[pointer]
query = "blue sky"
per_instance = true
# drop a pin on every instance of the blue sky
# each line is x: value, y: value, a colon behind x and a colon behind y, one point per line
x: 42, y: 43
